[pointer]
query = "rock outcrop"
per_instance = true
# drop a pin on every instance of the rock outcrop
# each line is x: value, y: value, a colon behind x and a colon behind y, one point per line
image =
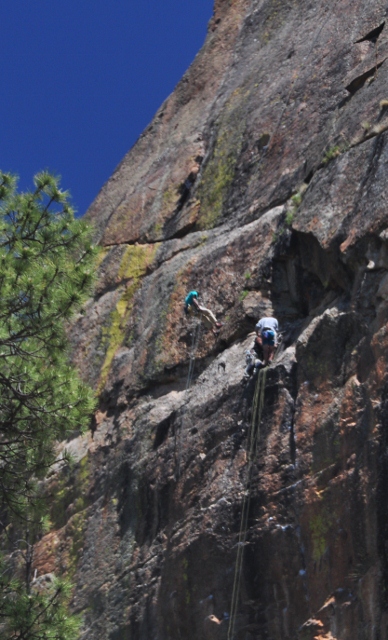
x: 262, y: 183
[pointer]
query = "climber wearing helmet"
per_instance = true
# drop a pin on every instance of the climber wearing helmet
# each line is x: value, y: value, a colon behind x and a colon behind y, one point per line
x: 192, y: 305
x: 266, y: 330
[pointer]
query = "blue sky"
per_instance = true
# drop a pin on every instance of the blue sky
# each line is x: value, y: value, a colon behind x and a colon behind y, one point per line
x: 81, y: 79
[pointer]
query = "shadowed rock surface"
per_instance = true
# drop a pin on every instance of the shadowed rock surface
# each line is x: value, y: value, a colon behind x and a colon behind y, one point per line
x: 261, y: 182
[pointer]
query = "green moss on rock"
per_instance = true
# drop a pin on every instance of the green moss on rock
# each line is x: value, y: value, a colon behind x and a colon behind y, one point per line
x: 319, y: 528
x: 320, y: 525
x: 134, y: 264
x: 219, y: 171
x: 76, y: 530
x: 70, y: 488
x: 136, y: 259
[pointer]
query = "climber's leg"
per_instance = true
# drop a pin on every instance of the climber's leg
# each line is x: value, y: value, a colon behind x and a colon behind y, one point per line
x: 209, y: 315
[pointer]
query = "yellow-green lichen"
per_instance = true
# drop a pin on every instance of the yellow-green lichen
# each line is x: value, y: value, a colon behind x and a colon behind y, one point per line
x: 332, y: 153
x: 102, y: 253
x: 114, y: 335
x: 319, y: 527
x: 204, y: 238
x: 70, y: 489
x: 76, y: 530
x: 186, y: 581
x: 169, y: 198
x: 217, y: 178
x: 133, y: 266
x: 158, y: 228
x: 83, y: 475
x: 136, y: 259
x: 219, y: 171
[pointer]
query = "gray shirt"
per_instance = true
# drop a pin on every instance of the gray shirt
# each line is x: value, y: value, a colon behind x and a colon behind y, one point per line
x: 267, y: 323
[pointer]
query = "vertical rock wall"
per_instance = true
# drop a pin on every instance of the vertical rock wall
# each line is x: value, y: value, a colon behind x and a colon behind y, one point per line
x: 261, y: 182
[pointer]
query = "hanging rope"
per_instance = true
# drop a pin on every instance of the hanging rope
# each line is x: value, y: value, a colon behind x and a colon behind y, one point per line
x: 258, y: 400
x: 253, y: 443
x: 193, y: 353
x: 195, y: 337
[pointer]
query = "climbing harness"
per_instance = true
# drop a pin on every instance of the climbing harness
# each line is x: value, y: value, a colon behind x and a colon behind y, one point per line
x: 195, y: 337
x: 253, y: 444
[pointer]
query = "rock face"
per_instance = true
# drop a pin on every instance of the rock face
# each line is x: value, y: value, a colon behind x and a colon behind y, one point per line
x: 262, y: 183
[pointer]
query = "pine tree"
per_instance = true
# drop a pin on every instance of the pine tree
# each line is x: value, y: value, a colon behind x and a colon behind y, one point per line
x: 46, y: 272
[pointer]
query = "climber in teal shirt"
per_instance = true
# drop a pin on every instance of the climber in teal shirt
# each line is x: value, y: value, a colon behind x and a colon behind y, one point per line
x: 191, y: 299
x: 192, y: 305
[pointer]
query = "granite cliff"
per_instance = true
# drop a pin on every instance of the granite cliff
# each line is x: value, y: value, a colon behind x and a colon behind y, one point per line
x: 261, y: 182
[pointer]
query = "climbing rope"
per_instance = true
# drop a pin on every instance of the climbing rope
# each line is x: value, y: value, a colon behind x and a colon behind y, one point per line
x: 195, y: 337
x: 253, y: 444
x: 193, y: 352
